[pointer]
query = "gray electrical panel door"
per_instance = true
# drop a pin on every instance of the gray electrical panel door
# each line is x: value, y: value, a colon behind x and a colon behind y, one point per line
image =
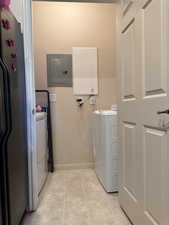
x: 59, y: 70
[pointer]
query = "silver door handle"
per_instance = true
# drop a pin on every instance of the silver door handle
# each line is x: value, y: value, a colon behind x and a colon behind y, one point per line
x: 163, y: 112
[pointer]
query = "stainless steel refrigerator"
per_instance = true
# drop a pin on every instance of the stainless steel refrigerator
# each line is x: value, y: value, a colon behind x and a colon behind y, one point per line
x: 13, y: 136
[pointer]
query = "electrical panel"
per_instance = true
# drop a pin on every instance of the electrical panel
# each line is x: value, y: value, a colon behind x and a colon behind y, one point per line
x: 59, y: 70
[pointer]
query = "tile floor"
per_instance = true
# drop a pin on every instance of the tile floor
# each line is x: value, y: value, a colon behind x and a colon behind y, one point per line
x: 76, y: 198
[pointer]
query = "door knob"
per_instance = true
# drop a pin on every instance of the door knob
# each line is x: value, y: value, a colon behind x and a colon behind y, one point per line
x: 163, y: 112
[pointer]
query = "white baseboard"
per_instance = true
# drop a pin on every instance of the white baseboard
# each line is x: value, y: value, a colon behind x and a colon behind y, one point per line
x: 74, y: 166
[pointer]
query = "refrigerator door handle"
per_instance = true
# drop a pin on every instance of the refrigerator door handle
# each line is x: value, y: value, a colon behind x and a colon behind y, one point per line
x: 2, y: 121
x: 7, y: 99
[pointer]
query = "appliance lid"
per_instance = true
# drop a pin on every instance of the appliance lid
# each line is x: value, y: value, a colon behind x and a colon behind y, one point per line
x: 97, y: 112
x: 108, y: 112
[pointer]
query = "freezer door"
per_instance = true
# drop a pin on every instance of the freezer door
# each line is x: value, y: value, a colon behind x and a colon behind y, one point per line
x: 1, y: 211
x: 16, y: 147
x: 2, y: 106
x: 5, y: 128
x: 2, y: 129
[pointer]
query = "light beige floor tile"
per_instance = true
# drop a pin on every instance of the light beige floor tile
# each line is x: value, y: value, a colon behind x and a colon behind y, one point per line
x: 45, y: 218
x: 75, y: 197
x: 101, y: 216
x: 120, y: 218
x: 74, y: 189
x: 76, y: 212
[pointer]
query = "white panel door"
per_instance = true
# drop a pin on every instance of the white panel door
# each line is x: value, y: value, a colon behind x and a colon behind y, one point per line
x: 144, y: 79
x: 130, y: 179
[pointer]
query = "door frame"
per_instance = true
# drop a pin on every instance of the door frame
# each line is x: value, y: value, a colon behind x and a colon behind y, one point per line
x: 23, y: 12
x: 30, y: 90
x: 22, y: 9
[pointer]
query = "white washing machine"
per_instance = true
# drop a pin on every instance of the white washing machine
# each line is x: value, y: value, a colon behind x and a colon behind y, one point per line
x: 42, y: 149
x: 105, y: 144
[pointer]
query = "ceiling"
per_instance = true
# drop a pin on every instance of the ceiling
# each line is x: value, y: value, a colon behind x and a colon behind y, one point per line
x: 97, y: 1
